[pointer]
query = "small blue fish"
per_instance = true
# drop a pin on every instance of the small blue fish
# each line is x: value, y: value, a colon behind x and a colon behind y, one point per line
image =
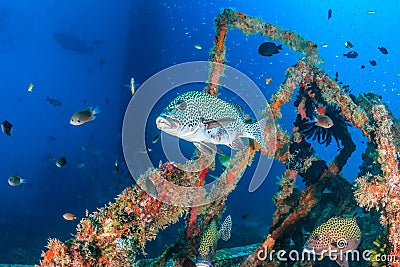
x: 329, y: 14
x: 16, y: 180
x: 351, y: 54
x: 7, y: 127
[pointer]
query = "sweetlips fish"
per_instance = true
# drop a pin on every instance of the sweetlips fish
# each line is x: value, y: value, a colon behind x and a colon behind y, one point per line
x: 207, y: 120
x: 335, y: 238
x: 209, y: 239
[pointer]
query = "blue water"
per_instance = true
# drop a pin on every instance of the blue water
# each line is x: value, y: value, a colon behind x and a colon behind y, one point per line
x: 141, y: 39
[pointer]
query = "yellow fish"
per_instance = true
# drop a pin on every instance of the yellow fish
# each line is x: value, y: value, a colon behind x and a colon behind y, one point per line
x: 131, y: 85
x: 268, y: 80
x: 30, y: 87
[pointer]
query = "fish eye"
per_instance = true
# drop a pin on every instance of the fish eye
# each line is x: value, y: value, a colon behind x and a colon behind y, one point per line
x: 316, y: 237
x: 181, y: 106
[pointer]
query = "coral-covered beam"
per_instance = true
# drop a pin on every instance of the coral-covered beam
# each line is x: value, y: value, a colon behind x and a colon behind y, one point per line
x: 217, y: 56
x: 388, y: 158
x: 252, y: 25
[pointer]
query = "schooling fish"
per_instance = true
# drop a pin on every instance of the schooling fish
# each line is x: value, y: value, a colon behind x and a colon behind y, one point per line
x: 30, y: 87
x: 351, y: 54
x: 7, y: 127
x: 349, y: 45
x: 16, y: 180
x: 156, y: 138
x: 336, y: 236
x: 69, y: 216
x: 323, y: 121
x: 268, y: 49
x: 84, y: 115
x: 61, y: 162
x: 207, y: 120
x: 131, y: 86
x: 53, y: 101
x: 383, y: 50
x: 116, y: 167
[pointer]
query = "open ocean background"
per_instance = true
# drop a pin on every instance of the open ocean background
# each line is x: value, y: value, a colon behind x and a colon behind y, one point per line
x: 141, y: 38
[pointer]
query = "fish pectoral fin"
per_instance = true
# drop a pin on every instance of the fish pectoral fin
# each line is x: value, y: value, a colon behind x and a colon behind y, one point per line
x: 206, y: 148
x: 240, y: 143
x: 218, y: 122
x: 214, y: 148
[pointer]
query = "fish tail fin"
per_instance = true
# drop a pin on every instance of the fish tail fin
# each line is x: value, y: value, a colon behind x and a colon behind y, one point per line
x: 225, y: 231
x: 279, y: 47
x: 23, y: 181
x: 256, y: 130
x: 95, y: 111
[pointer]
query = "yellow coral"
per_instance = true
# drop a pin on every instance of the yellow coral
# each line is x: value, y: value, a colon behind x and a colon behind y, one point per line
x: 378, y: 253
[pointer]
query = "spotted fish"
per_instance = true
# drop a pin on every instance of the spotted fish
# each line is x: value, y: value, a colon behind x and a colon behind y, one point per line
x: 209, y: 239
x: 206, y: 121
x: 335, y: 237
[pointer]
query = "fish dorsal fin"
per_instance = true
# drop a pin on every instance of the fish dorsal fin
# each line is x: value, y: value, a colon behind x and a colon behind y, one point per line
x: 210, y: 124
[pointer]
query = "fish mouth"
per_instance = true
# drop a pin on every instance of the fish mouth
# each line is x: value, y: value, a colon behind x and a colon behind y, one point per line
x: 166, y: 122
